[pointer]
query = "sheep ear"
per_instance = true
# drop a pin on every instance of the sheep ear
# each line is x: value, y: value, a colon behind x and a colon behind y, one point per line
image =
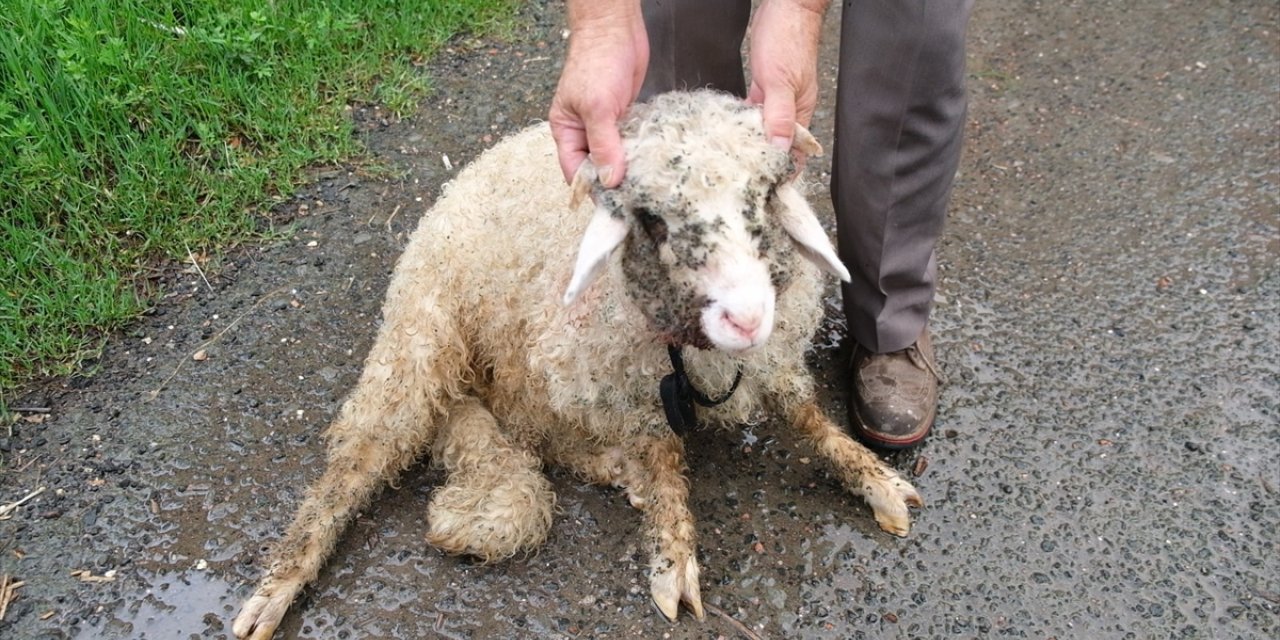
x: 583, y: 179
x: 604, y: 233
x: 805, y: 143
x: 803, y: 227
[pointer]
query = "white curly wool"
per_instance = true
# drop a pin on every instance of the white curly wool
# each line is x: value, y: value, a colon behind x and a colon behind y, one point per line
x: 480, y: 363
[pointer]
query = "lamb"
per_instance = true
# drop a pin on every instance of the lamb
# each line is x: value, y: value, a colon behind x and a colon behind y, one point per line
x: 503, y: 350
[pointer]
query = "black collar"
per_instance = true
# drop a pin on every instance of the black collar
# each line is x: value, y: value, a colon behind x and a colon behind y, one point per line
x: 679, y: 395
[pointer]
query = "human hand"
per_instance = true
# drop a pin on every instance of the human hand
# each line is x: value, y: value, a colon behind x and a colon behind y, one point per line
x: 784, y: 64
x: 603, y: 72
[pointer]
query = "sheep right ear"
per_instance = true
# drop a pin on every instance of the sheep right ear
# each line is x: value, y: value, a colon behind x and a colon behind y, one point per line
x: 604, y: 233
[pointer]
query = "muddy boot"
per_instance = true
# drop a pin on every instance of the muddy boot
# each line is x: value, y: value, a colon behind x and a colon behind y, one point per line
x: 893, y: 397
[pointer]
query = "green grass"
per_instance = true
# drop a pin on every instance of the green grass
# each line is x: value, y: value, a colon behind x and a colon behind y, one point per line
x: 132, y: 130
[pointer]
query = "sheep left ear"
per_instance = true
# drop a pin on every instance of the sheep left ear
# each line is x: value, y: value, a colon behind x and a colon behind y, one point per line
x: 604, y: 233
x: 583, y: 178
x: 802, y: 225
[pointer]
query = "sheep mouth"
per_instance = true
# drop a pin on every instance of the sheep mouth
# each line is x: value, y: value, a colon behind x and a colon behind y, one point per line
x: 689, y: 337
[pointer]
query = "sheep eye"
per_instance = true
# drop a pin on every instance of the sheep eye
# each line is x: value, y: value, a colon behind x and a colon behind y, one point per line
x: 654, y: 226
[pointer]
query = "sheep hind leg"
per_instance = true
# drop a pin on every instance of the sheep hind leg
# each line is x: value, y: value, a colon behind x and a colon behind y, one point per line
x: 860, y: 470
x: 368, y: 448
x: 417, y: 362
x: 496, y: 501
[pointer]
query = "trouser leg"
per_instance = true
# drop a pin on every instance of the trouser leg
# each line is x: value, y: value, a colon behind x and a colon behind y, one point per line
x: 900, y: 110
x: 695, y: 44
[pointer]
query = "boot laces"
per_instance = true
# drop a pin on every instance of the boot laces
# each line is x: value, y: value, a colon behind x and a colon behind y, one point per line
x: 918, y: 358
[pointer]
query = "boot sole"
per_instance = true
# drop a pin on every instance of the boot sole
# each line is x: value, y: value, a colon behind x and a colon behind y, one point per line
x: 873, y: 438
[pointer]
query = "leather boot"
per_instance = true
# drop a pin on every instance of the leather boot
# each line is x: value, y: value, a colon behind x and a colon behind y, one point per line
x: 894, y: 396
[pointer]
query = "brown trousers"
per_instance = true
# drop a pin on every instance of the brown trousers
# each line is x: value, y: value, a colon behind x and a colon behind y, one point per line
x: 900, y: 111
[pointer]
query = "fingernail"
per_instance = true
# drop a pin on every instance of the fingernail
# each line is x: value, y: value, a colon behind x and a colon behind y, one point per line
x: 606, y: 175
x: 781, y: 142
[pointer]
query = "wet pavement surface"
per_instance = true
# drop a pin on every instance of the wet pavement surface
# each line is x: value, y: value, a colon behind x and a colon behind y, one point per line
x: 1106, y: 462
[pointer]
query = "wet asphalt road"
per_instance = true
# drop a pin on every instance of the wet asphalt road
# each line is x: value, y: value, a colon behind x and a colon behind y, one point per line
x: 1107, y: 456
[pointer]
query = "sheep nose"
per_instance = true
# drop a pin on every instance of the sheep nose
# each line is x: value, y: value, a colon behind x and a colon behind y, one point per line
x: 745, y: 323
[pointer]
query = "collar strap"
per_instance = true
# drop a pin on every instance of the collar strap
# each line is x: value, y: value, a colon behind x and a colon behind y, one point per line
x: 679, y: 395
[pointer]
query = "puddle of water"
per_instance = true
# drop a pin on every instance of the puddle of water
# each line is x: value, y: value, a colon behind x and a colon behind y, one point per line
x: 177, y: 605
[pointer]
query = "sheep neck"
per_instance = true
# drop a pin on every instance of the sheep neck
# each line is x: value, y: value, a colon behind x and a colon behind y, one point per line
x: 679, y: 396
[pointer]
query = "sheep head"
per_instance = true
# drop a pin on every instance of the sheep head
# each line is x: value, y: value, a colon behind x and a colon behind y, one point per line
x: 708, y: 221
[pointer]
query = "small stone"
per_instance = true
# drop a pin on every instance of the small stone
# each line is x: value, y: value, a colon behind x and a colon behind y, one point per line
x: 212, y: 621
x: 921, y: 464
x: 200, y: 356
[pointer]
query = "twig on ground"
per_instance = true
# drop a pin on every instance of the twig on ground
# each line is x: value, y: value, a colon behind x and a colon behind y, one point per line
x: 8, y: 590
x: 31, y: 409
x: 7, y: 510
x: 27, y: 463
x: 737, y: 626
x: 392, y: 217
x: 196, y: 264
x: 86, y: 575
x: 155, y: 393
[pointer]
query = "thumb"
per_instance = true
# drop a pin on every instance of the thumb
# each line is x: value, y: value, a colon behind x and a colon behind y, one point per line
x: 780, y: 118
x: 607, y: 155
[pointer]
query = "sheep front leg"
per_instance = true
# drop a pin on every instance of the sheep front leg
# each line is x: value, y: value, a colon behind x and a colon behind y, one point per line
x: 860, y: 470
x: 418, y: 362
x: 651, y: 471
x: 659, y: 488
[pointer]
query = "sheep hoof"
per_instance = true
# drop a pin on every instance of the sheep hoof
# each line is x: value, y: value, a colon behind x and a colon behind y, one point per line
x: 263, y: 611
x: 635, y: 500
x: 889, y: 496
x: 677, y: 583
